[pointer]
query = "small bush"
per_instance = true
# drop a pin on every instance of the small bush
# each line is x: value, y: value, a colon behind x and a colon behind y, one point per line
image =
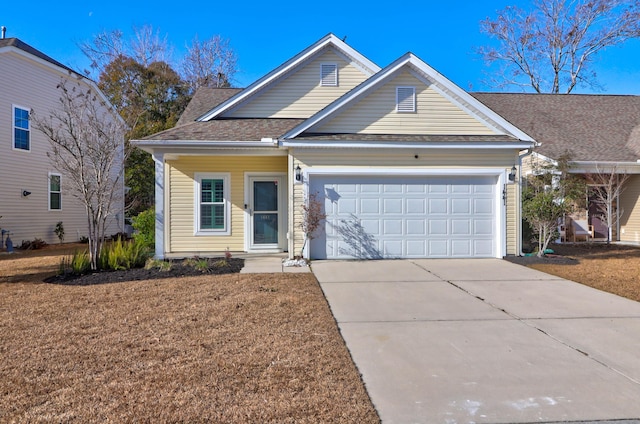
x: 119, y: 236
x: 77, y: 264
x: 122, y: 254
x: 145, y: 227
x: 84, y: 239
x: 157, y: 263
x: 59, y: 230
x: 34, y: 244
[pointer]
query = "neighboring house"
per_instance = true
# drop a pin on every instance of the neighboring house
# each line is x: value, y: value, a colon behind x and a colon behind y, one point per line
x: 34, y: 196
x: 599, y: 133
x: 406, y: 164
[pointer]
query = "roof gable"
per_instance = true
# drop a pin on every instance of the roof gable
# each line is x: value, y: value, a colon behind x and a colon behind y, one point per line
x: 349, y: 113
x: 328, y: 45
x: 14, y: 44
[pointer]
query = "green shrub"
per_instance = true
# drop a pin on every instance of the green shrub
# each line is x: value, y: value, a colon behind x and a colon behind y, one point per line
x: 123, y: 254
x: 145, y: 227
x: 157, y: 263
x: 78, y: 263
x: 59, y: 230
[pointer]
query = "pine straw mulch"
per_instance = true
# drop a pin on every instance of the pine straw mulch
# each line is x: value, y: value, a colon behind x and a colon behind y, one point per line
x: 613, y: 268
x: 214, y: 348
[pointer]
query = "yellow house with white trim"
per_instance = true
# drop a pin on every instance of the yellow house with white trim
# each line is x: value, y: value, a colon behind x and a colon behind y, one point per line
x: 404, y: 163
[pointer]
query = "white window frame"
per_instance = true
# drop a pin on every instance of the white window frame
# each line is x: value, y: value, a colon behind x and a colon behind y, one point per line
x: 13, y: 127
x: 54, y: 174
x: 331, y: 83
x: 226, y: 190
x: 413, y: 99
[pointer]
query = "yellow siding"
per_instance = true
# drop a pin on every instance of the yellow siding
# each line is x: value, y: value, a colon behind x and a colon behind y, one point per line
x: 365, y: 161
x: 181, y: 212
x: 299, y: 95
x: 32, y: 85
x: 630, y: 205
x: 376, y: 113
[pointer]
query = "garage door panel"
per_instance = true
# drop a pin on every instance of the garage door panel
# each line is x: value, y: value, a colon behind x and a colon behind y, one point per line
x: 373, y: 217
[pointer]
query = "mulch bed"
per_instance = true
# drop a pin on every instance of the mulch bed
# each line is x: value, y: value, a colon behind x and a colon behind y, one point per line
x: 178, y: 269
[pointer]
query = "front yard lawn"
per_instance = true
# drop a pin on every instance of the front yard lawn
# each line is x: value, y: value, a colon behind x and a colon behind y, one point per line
x: 215, y: 348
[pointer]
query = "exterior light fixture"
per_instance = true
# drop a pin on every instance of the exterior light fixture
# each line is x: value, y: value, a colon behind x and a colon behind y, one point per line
x: 25, y: 193
x: 512, y: 174
x: 298, y: 173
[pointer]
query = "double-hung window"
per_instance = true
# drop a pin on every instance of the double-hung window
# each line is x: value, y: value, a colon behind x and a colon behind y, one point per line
x: 21, y: 128
x: 213, y: 207
x: 55, y: 192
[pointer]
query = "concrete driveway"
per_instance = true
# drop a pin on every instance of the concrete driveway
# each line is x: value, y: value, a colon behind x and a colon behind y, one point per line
x: 485, y: 341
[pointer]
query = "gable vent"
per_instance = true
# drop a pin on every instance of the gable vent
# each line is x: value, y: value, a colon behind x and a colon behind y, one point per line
x: 329, y: 75
x: 405, y: 99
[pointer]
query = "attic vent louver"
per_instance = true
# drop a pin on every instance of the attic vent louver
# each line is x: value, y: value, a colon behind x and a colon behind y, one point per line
x: 329, y: 75
x: 405, y: 99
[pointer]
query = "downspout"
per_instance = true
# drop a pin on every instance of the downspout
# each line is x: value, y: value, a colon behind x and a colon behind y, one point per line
x: 529, y: 151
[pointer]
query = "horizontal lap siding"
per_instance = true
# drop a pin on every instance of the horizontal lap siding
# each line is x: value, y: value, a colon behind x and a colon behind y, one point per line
x: 299, y: 95
x: 181, y: 211
x: 630, y: 206
x: 354, y: 160
x: 31, y: 85
x: 513, y: 226
x: 376, y: 114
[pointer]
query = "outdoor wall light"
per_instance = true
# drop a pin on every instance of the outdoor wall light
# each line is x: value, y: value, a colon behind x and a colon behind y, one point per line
x: 298, y: 173
x: 512, y: 174
x: 25, y: 193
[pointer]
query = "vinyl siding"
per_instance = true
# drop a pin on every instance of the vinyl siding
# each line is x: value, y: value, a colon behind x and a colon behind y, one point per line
x: 299, y: 94
x: 180, y: 225
x: 376, y: 114
x: 630, y: 205
x: 368, y: 160
x: 30, y: 84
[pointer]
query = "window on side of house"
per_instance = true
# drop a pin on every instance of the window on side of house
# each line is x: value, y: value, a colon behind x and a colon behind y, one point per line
x: 329, y: 75
x: 21, y: 128
x: 55, y: 192
x: 213, y: 206
x: 405, y: 99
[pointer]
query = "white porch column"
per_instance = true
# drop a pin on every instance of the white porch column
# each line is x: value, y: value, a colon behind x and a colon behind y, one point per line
x: 158, y: 159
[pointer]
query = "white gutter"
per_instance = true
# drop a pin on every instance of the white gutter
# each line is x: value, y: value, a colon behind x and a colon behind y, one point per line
x: 579, y: 167
x: 404, y: 145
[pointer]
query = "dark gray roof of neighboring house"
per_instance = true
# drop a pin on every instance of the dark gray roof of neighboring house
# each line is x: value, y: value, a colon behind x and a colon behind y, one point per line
x: 14, y: 42
x: 588, y: 127
x: 203, y: 100
x: 241, y: 129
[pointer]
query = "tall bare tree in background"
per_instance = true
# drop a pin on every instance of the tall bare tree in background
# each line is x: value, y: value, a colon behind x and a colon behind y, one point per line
x: 209, y: 63
x: 142, y: 80
x: 551, y: 47
x: 87, y: 148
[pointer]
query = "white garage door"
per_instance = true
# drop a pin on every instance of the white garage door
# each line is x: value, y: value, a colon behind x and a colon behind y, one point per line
x: 406, y: 217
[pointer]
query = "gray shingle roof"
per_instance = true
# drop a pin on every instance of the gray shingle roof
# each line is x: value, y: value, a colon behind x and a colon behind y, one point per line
x: 228, y: 130
x: 402, y: 137
x: 205, y: 99
x: 589, y: 127
x: 14, y: 42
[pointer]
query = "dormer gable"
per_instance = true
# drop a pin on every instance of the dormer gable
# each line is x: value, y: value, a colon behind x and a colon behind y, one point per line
x: 301, y: 86
x: 408, y: 97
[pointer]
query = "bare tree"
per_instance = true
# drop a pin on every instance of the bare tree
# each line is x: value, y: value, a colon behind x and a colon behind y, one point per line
x: 145, y: 46
x: 551, y: 47
x: 606, y: 186
x: 87, y: 147
x: 209, y: 63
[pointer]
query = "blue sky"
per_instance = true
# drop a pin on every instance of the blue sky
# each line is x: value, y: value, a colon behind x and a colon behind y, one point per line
x: 265, y: 34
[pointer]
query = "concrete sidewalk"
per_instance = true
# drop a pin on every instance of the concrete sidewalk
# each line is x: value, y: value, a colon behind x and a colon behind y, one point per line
x: 485, y: 341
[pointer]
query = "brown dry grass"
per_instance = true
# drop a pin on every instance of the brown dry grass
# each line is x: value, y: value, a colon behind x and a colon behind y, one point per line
x: 612, y: 268
x: 230, y: 348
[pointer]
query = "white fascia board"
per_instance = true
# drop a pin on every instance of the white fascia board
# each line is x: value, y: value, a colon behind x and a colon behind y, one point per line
x: 584, y: 167
x: 333, y: 144
x: 467, y: 99
x: 364, y: 63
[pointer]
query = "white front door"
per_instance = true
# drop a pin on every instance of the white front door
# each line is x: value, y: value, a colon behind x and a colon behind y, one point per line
x: 265, y: 209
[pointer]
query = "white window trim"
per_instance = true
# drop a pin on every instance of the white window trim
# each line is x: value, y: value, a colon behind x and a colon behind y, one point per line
x: 49, y: 191
x: 13, y: 128
x: 413, y: 109
x: 226, y: 181
x: 322, y: 84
